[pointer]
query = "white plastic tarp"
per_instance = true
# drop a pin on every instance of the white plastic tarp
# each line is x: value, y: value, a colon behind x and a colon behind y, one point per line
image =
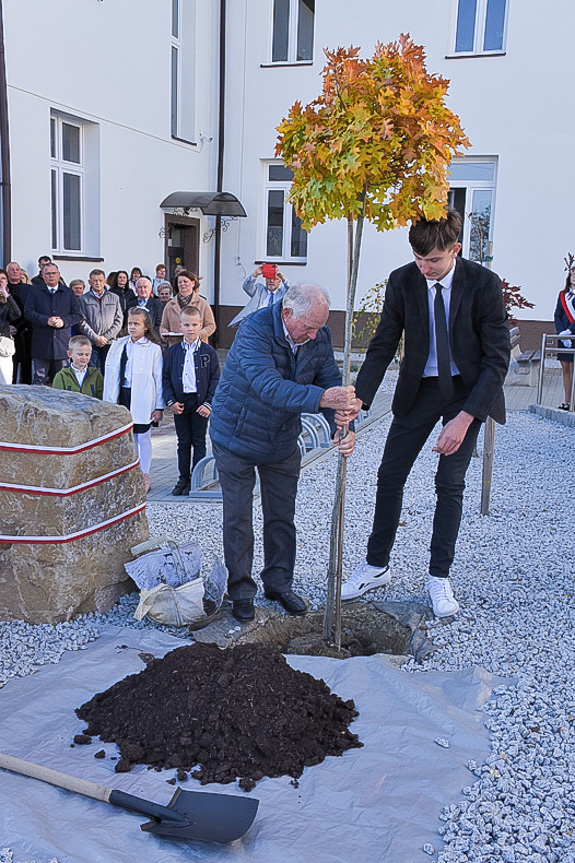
x: 378, y: 804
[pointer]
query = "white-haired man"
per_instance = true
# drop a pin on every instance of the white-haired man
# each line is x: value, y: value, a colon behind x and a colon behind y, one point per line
x: 280, y: 365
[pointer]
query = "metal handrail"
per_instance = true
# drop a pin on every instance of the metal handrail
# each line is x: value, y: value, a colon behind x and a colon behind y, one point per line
x: 315, y: 427
x: 309, y: 429
x: 557, y: 349
x: 320, y: 426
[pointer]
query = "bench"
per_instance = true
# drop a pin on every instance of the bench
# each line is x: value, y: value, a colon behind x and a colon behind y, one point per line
x: 529, y: 357
x: 524, y: 365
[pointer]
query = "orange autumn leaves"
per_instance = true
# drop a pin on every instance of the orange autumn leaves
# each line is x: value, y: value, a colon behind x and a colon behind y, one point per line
x: 377, y: 142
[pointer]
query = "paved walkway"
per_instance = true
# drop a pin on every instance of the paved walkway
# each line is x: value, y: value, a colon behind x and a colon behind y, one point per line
x: 164, y: 471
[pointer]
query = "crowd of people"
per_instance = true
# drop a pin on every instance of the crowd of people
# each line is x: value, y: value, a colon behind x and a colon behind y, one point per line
x: 108, y: 339
x: 126, y: 339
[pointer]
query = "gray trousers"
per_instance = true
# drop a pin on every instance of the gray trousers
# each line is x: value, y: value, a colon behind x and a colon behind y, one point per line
x: 46, y: 370
x: 278, y: 485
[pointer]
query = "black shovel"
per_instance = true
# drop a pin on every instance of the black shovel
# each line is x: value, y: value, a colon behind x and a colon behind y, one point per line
x: 189, y: 814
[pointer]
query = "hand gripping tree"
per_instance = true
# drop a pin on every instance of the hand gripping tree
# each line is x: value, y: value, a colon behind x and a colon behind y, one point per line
x: 376, y: 144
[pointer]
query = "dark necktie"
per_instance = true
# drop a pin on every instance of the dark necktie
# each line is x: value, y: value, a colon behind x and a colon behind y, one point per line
x: 442, y: 345
x: 270, y: 300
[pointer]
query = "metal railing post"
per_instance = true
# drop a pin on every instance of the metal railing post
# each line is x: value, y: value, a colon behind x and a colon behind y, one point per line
x: 541, y: 368
x: 487, y: 475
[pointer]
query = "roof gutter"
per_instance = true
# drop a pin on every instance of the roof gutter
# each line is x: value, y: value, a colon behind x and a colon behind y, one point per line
x: 5, y: 196
x: 220, y: 165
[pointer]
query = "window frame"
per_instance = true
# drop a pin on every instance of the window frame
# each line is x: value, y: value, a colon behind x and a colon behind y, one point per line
x: 293, y: 41
x: 175, y: 68
x: 288, y: 217
x: 479, y: 32
x: 61, y: 221
x: 472, y: 185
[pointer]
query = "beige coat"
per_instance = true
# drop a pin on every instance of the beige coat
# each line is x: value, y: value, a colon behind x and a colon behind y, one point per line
x: 171, y: 317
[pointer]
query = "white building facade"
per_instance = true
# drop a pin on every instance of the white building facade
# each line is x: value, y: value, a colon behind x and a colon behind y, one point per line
x: 108, y: 103
x: 115, y: 104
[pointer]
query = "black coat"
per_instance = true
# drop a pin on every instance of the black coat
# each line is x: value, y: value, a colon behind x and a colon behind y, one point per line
x: 9, y: 314
x: 124, y: 294
x: 479, y: 338
x: 20, y: 292
x: 50, y: 343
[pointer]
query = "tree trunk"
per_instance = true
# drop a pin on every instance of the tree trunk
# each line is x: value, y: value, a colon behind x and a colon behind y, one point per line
x: 332, y: 617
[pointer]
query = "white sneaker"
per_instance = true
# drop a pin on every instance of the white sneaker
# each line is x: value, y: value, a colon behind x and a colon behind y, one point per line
x: 442, y: 599
x: 364, y: 578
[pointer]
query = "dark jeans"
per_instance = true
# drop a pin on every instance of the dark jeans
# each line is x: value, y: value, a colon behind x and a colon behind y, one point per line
x: 46, y: 370
x: 191, y: 433
x: 99, y: 355
x: 278, y: 484
x: 22, y: 359
x: 406, y: 438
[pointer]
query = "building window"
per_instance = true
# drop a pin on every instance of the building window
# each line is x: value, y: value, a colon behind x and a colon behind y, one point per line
x: 67, y: 184
x: 175, y: 69
x: 292, y: 31
x: 284, y: 239
x: 183, y: 70
x: 472, y: 191
x: 480, y: 26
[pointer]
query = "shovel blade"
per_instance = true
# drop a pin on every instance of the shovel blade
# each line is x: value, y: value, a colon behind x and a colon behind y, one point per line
x: 205, y: 816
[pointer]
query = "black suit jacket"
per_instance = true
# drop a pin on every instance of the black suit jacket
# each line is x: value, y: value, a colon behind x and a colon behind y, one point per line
x: 153, y: 305
x: 479, y: 337
x: 50, y: 342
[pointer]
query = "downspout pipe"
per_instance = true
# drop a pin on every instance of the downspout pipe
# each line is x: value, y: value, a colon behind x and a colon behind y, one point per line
x: 5, y: 196
x: 220, y: 166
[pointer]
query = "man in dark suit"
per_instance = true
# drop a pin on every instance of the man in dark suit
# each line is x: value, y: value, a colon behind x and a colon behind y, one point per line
x: 52, y: 309
x: 451, y: 314
x: 146, y: 300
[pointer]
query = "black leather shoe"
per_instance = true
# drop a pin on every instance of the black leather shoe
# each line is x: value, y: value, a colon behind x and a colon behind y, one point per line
x: 289, y: 600
x: 243, y: 610
x: 181, y: 487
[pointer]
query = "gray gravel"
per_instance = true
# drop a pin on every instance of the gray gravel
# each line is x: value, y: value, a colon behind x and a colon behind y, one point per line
x: 513, y: 579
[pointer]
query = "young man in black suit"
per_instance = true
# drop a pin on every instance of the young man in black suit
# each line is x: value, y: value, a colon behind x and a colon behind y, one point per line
x: 456, y: 342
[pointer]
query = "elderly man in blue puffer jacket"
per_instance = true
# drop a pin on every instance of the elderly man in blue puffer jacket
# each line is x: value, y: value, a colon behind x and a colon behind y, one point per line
x: 280, y: 366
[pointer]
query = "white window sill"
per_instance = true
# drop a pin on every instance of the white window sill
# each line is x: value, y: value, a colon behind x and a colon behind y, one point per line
x: 463, y: 54
x: 285, y: 262
x: 286, y: 63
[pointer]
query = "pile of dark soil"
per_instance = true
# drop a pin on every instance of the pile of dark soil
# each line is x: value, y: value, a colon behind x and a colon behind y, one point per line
x: 222, y: 714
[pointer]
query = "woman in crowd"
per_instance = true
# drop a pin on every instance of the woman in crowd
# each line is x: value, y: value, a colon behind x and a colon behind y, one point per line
x: 165, y: 292
x: 161, y: 276
x: 134, y: 379
x: 134, y: 276
x: 9, y: 312
x: 77, y: 286
x: 565, y: 326
x: 188, y: 294
x: 120, y: 285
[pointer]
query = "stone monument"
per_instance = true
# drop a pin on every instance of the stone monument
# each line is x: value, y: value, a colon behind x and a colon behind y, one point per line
x: 72, y: 503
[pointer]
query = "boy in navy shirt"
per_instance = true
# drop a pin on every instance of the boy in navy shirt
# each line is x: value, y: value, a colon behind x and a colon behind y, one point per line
x: 190, y: 376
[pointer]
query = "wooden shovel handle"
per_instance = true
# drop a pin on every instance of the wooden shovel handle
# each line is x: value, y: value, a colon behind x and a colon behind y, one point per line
x: 54, y: 777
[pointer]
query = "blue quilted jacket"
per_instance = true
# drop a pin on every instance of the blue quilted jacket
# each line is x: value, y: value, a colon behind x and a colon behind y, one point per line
x: 264, y: 388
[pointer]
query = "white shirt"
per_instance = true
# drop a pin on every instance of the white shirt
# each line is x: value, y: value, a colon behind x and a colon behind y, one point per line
x: 80, y: 374
x: 189, y: 383
x: 130, y: 345
x: 446, y: 282
x: 289, y: 339
x: 265, y: 298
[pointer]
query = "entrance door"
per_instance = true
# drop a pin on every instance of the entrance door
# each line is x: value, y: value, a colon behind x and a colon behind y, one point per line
x: 182, y: 244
